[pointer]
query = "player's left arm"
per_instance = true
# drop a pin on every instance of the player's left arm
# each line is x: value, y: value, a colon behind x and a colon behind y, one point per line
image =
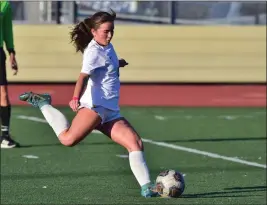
x: 122, y: 62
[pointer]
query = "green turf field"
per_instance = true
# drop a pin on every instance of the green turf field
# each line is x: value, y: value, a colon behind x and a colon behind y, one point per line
x: 94, y: 172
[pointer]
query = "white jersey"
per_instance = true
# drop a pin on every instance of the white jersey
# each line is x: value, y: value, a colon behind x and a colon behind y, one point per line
x: 103, y: 86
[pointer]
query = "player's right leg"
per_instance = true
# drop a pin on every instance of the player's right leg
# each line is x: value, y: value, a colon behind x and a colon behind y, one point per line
x: 83, y: 123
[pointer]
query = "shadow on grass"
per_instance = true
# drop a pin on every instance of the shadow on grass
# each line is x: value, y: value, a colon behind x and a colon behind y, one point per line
x: 231, y: 192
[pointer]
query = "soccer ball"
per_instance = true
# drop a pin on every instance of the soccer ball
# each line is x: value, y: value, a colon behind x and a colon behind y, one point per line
x: 170, y: 183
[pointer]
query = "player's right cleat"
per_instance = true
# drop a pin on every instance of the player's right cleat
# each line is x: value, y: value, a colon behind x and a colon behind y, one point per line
x: 36, y: 100
x: 149, y: 190
x: 7, y: 142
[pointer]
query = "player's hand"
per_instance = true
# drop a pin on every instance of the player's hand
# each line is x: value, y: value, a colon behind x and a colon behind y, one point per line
x: 74, y: 104
x: 122, y: 63
x: 13, y: 63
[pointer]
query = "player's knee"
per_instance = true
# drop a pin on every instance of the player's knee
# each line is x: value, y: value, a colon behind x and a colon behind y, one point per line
x: 68, y: 142
x: 67, y: 139
x: 136, y: 145
x: 140, y: 144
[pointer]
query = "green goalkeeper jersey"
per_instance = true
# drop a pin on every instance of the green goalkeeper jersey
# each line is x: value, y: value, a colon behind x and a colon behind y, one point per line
x: 6, y: 30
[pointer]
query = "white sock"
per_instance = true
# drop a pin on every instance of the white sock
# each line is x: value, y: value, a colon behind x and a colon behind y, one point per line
x: 55, y: 119
x: 139, y: 167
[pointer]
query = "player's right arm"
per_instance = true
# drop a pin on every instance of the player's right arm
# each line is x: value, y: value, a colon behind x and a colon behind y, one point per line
x: 79, y: 87
x: 8, y: 29
x: 92, y: 60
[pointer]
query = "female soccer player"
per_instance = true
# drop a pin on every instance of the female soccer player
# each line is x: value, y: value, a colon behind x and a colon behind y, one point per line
x: 98, y: 106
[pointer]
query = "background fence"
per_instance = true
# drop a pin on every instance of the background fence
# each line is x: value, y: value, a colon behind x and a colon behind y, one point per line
x: 164, y: 12
x: 167, y: 43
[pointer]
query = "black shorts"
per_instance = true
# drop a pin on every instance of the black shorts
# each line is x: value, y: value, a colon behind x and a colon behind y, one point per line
x: 3, y: 80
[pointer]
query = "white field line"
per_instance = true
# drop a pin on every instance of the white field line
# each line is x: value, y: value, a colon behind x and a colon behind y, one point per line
x: 189, y: 117
x: 122, y: 155
x: 37, y: 119
x: 30, y: 156
x: 176, y: 147
x: 208, y: 154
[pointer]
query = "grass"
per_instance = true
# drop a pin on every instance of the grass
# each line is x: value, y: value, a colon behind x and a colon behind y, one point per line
x: 92, y: 173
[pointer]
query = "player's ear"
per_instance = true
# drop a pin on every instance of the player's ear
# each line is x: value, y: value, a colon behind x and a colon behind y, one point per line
x: 93, y: 32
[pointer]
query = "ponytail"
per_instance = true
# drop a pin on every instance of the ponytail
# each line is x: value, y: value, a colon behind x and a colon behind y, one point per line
x: 81, y: 35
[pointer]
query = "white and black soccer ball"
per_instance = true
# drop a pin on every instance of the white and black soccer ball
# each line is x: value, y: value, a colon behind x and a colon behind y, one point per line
x: 170, y: 183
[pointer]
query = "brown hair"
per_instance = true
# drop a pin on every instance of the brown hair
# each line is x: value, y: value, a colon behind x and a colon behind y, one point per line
x: 81, y: 33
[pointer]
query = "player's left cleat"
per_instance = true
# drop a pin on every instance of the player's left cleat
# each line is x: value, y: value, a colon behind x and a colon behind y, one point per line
x: 149, y: 190
x: 36, y: 100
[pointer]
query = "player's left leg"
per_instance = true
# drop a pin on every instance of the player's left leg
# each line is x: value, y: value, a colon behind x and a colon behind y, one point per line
x: 83, y: 123
x: 5, y: 110
x: 121, y: 132
x: 5, y: 114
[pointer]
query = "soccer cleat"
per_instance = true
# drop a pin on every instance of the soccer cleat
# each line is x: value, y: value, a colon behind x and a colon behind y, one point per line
x: 7, y: 142
x: 149, y: 190
x: 36, y: 100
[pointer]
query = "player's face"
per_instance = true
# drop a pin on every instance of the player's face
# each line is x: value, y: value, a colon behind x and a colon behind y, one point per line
x: 104, y: 33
